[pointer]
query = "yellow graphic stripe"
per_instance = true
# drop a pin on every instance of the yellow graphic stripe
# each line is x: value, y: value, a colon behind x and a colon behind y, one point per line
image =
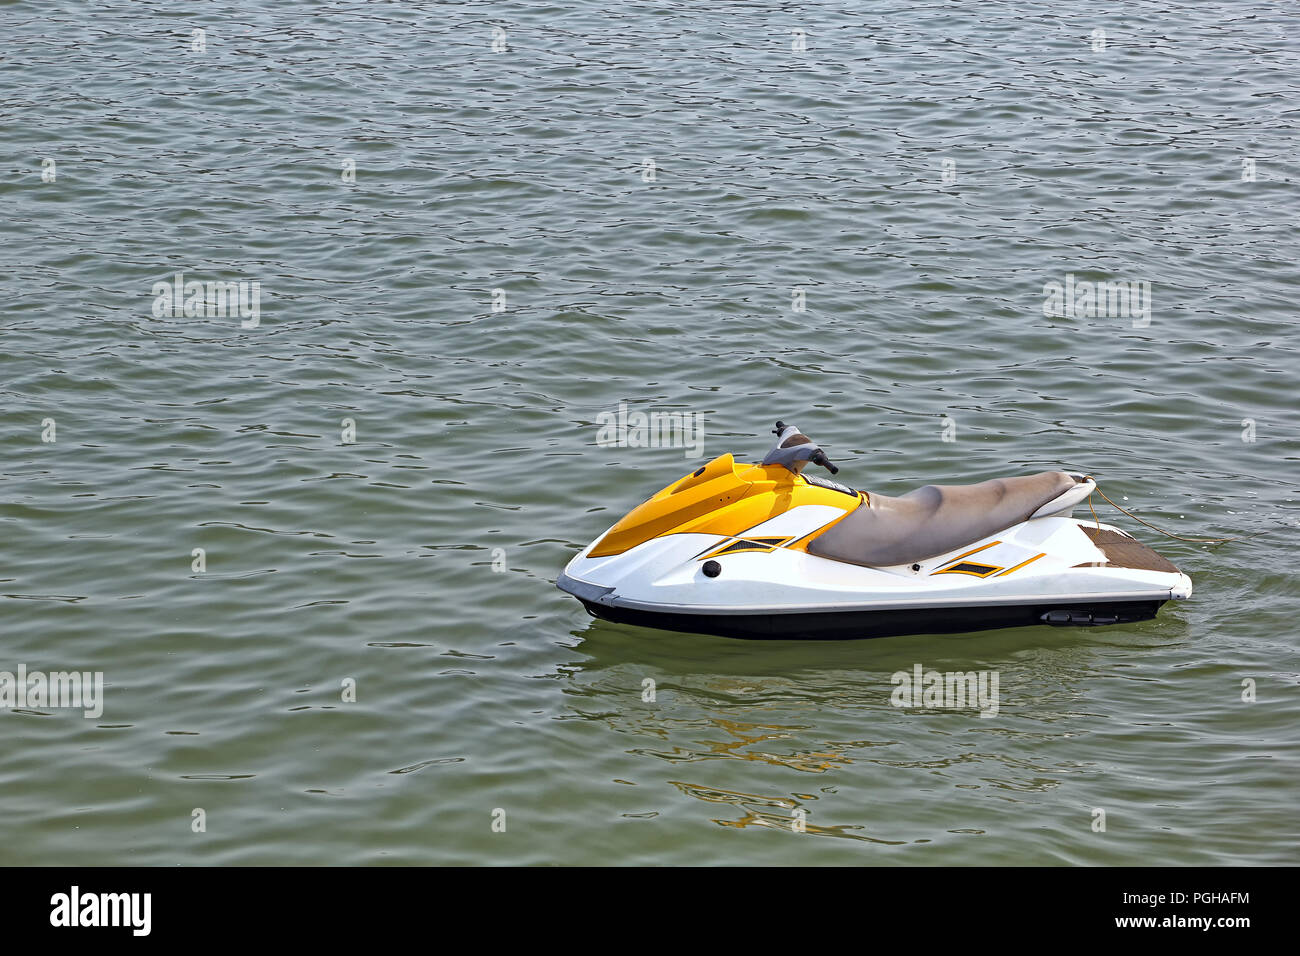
x: 1022, y: 564
x: 729, y: 546
x: 975, y: 551
x: 975, y: 574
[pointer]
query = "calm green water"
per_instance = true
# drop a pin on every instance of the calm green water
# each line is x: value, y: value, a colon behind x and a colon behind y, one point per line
x: 525, y: 170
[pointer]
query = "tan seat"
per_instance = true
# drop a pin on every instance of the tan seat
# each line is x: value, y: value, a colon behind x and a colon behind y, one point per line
x: 935, y: 519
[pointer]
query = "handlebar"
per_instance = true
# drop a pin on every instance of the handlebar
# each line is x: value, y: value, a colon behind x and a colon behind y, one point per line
x: 818, y: 457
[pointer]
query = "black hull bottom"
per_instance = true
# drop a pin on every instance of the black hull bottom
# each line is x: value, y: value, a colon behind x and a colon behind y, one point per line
x: 848, y: 625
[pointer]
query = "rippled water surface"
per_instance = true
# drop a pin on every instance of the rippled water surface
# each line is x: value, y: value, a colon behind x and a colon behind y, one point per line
x: 1120, y: 155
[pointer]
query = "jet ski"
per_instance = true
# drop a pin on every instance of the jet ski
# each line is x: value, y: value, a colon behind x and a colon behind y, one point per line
x: 767, y: 551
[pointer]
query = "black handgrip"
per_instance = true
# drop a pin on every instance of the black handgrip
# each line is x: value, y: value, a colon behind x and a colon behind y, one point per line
x: 819, y: 458
x: 780, y: 427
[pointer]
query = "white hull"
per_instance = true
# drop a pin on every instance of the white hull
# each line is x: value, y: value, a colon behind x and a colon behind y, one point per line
x: 1037, y: 563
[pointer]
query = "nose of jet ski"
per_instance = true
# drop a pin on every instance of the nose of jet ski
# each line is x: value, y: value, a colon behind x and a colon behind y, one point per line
x: 1183, y: 589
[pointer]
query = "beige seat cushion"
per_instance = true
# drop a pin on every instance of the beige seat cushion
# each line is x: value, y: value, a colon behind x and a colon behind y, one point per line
x: 935, y: 519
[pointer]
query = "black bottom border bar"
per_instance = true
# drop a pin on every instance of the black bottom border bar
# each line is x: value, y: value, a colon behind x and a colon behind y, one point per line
x: 335, y: 905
